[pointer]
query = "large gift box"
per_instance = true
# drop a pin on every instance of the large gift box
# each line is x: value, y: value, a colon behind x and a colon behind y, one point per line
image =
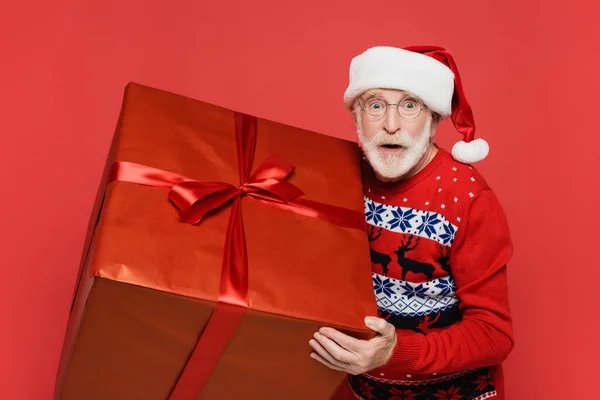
x: 218, y: 244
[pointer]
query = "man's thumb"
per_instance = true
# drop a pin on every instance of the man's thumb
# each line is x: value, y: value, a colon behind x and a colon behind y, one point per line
x: 378, y: 325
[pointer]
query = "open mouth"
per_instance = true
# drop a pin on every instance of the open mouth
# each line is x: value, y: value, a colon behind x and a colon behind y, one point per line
x: 391, y: 146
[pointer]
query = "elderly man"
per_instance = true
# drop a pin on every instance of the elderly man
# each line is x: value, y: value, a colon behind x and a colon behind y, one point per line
x: 439, y: 240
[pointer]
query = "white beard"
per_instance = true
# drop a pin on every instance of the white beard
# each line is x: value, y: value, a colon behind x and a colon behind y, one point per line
x: 391, y: 167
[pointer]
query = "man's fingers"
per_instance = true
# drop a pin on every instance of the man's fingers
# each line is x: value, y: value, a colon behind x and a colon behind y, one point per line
x: 324, y: 354
x: 323, y: 361
x: 347, y: 342
x: 336, y: 351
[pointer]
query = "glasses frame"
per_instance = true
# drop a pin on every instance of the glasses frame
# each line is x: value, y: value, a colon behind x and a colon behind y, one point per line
x: 388, y: 105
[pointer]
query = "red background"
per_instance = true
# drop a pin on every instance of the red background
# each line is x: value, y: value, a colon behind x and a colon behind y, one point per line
x: 526, y: 66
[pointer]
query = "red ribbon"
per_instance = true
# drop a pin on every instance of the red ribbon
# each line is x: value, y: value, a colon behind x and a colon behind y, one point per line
x: 194, y: 200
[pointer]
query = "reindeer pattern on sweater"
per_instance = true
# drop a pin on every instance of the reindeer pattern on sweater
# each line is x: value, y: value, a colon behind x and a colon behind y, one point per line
x: 412, y: 276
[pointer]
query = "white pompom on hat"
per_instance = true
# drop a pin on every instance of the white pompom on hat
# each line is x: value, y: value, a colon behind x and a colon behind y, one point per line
x: 430, y: 73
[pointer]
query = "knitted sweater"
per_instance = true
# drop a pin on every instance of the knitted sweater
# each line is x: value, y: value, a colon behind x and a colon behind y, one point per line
x: 439, y: 248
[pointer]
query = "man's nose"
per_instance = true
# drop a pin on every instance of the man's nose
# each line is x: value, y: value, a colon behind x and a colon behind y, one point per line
x: 392, y: 121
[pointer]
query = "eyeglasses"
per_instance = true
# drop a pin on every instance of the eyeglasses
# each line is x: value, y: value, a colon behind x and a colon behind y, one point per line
x: 376, y: 108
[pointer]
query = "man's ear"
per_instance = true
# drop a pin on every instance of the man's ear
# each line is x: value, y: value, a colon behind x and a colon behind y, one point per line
x: 355, y: 113
x: 435, y: 120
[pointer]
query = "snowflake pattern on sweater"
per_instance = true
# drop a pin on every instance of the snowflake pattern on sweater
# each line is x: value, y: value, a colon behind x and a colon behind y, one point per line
x: 426, y: 224
x: 412, y: 228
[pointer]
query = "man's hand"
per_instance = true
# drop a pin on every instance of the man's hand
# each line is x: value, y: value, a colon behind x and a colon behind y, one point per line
x: 354, y: 356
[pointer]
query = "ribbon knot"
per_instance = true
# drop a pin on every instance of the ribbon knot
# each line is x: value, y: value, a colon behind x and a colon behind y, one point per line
x: 244, y: 188
x: 195, y: 199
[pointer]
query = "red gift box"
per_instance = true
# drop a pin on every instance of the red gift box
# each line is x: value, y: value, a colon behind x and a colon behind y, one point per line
x: 219, y: 243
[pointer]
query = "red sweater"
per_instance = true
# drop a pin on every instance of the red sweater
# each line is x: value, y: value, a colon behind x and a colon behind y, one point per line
x: 440, y: 244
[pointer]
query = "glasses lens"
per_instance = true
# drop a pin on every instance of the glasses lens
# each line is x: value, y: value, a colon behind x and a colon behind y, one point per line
x: 409, y: 107
x: 375, y: 107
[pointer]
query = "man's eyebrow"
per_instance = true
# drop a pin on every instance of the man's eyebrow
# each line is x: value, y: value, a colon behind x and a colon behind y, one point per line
x: 371, y: 94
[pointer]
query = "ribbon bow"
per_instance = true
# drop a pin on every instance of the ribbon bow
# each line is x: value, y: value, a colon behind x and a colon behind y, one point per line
x: 195, y: 199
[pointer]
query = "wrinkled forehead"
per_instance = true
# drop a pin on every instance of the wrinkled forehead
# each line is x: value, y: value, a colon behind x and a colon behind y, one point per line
x: 389, y: 95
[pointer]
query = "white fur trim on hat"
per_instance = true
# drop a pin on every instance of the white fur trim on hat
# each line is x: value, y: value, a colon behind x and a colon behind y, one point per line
x: 385, y: 67
x: 470, y: 152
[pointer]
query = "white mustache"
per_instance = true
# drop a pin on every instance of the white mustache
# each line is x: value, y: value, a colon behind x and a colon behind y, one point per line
x: 401, y: 138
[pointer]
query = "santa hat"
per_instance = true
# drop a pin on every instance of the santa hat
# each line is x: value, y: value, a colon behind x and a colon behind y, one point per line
x: 430, y: 73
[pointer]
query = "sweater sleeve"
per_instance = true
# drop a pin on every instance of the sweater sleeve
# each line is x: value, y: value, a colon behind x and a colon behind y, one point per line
x: 483, y: 337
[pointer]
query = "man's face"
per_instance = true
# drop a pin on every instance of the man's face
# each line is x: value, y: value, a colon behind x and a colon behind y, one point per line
x: 393, y: 144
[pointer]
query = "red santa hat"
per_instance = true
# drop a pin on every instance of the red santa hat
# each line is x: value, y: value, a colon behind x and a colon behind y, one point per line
x: 430, y: 73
